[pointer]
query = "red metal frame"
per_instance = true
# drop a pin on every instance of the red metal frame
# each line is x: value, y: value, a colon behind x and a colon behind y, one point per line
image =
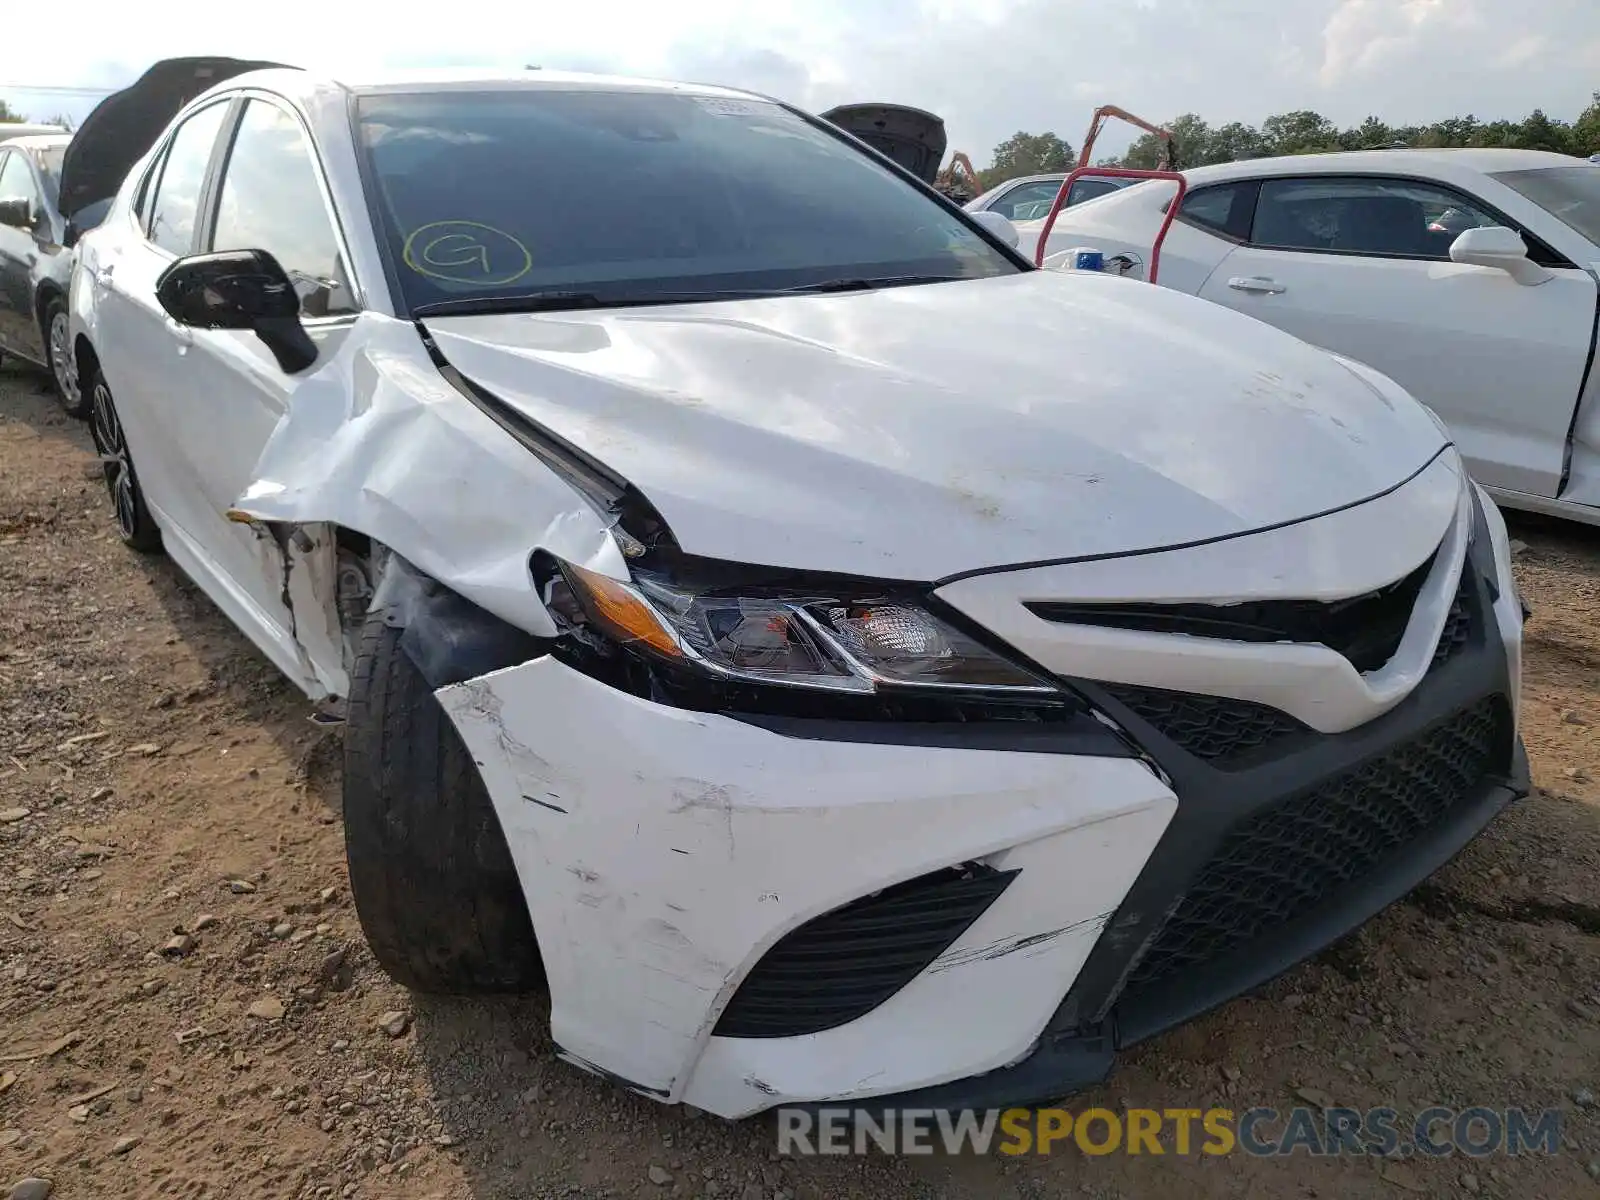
x: 1083, y: 168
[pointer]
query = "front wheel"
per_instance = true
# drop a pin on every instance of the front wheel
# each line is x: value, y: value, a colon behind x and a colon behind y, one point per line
x: 63, y: 363
x: 134, y: 522
x: 434, y: 884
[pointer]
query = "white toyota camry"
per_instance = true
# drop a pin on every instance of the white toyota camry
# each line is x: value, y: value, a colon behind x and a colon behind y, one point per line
x: 841, y: 661
x: 1468, y: 276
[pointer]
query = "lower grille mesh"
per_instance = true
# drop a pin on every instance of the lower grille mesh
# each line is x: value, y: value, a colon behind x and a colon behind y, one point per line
x: 845, y: 963
x: 1282, y: 861
x: 1214, y: 728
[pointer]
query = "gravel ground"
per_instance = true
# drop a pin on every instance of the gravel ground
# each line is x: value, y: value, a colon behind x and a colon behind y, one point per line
x: 187, y: 1008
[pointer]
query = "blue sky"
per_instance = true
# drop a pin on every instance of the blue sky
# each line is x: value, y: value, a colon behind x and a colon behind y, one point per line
x: 989, y: 67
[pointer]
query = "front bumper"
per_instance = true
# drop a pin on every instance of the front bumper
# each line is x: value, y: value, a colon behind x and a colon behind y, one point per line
x: 670, y: 857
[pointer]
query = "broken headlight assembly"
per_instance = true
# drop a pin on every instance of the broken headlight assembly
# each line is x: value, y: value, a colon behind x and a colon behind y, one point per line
x: 703, y: 641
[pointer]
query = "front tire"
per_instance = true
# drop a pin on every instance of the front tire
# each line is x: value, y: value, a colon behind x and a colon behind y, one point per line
x: 434, y: 885
x: 134, y: 522
x: 63, y: 362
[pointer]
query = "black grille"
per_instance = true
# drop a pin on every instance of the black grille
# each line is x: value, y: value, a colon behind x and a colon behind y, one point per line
x: 1284, y: 860
x: 845, y: 963
x: 1215, y: 728
x: 1366, y: 629
x: 1458, y: 624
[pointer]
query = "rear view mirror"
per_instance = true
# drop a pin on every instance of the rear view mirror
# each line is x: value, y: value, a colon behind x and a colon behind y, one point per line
x: 999, y: 226
x: 1499, y: 247
x: 239, y: 289
x: 17, y: 212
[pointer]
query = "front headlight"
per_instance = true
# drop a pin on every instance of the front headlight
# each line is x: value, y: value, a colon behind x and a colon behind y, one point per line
x: 825, y: 639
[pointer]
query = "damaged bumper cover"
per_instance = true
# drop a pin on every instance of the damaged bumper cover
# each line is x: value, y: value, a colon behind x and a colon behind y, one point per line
x: 664, y: 853
x: 703, y: 886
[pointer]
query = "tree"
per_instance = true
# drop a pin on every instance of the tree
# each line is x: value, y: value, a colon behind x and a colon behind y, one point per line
x: 62, y: 120
x: 1371, y: 134
x: 1028, y: 154
x: 1300, y: 132
x: 1192, y: 144
x: 1539, y: 132
x: 1235, y: 141
x: 9, y: 115
x: 1586, y: 130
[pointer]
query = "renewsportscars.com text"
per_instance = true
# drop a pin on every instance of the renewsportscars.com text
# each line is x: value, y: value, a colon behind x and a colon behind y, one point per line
x: 1259, y: 1132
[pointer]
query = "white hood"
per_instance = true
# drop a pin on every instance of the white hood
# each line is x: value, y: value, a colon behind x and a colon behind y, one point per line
x: 920, y: 432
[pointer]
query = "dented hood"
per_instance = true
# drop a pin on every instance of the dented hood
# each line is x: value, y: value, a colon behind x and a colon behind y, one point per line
x: 920, y: 432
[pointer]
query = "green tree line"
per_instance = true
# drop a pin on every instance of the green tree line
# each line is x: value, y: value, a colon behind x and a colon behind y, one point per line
x: 1302, y: 132
x: 1307, y: 132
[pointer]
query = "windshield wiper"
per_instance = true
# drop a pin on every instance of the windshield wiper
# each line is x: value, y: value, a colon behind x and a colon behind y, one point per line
x: 867, y: 284
x: 557, y: 301
x: 564, y: 301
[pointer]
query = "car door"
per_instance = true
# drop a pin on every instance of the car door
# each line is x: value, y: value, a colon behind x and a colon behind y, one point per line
x: 1361, y: 265
x: 143, y: 353
x: 19, y: 251
x: 269, y: 195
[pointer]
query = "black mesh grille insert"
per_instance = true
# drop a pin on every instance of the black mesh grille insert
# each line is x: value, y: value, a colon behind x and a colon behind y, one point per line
x: 1282, y: 861
x: 1215, y: 728
x: 845, y: 963
x: 1458, y: 624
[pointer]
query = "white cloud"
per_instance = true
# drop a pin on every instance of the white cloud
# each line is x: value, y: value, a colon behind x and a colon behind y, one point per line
x: 990, y: 67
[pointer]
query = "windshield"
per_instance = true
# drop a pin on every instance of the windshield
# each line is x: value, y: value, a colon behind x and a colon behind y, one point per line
x: 50, y: 161
x: 629, y: 194
x: 1571, y: 194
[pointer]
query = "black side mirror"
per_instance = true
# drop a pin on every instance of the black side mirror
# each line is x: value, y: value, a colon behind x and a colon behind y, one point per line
x: 239, y: 289
x: 17, y: 212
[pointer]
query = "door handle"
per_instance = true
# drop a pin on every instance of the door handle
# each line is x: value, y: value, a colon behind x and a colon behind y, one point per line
x: 182, y: 336
x: 1257, y: 283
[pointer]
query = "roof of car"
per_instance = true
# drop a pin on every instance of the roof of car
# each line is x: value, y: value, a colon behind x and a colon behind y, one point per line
x: 462, y: 80
x: 1386, y: 162
x: 38, y: 141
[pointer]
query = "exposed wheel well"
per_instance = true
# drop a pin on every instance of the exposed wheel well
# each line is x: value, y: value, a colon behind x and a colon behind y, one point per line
x: 41, y: 304
x: 88, y: 360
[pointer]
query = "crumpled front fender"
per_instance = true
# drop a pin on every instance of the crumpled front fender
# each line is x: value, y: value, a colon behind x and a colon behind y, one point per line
x: 378, y: 442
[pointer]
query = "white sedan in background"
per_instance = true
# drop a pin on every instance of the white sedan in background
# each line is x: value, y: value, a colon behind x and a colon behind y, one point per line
x: 1029, y: 198
x: 1468, y: 276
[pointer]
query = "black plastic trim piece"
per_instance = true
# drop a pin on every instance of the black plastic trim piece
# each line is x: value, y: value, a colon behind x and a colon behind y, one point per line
x: 1577, y: 405
x: 841, y: 965
x: 447, y: 637
x: 602, y: 486
x: 1081, y: 735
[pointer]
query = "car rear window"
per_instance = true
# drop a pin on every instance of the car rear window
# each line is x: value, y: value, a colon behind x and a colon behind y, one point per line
x: 1571, y: 194
x: 507, y: 192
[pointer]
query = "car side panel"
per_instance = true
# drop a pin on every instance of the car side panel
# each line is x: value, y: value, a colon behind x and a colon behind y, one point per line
x: 1126, y: 223
x: 1500, y: 363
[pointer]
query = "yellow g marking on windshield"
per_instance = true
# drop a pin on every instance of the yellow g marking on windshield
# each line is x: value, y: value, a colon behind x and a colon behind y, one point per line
x: 466, y: 252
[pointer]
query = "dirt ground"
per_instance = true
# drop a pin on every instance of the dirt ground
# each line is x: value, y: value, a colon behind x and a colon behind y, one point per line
x: 159, y: 781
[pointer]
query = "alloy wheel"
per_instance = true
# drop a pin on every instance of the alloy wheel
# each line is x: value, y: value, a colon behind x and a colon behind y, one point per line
x: 114, y: 458
x: 63, y: 364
